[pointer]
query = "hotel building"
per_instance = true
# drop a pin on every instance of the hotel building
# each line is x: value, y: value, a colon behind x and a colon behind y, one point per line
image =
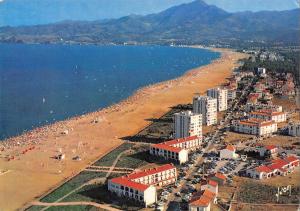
x: 260, y: 106
x: 277, y: 167
x: 269, y: 115
x: 255, y: 127
x: 187, y: 124
x: 207, y: 107
x: 177, y: 149
x: 140, y: 186
x: 221, y: 95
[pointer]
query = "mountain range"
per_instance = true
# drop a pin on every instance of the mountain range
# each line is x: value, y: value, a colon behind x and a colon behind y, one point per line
x: 190, y: 23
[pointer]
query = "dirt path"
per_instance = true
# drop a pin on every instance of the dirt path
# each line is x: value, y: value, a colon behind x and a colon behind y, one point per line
x: 114, y: 164
x: 56, y: 204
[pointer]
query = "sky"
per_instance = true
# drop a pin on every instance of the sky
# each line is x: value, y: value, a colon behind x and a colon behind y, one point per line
x: 31, y: 12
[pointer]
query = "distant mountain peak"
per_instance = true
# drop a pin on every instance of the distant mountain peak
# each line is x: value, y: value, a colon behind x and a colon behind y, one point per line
x: 193, y: 22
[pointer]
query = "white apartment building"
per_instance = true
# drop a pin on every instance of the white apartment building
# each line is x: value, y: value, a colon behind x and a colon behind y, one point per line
x: 187, y: 124
x: 276, y: 167
x: 257, y: 127
x: 126, y: 188
x: 169, y: 152
x: 228, y: 153
x: 221, y: 95
x: 207, y: 107
x: 177, y: 149
x: 269, y: 115
x: 294, y: 130
x: 231, y: 94
x: 260, y: 106
x: 190, y: 143
x: 140, y: 186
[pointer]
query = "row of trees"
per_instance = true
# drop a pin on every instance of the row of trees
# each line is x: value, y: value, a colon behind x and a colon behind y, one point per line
x: 290, y: 64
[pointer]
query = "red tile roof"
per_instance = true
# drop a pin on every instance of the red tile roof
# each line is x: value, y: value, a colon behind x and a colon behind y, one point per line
x: 291, y: 159
x: 151, y: 171
x: 128, y: 183
x: 230, y: 147
x: 256, y: 122
x: 212, y: 183
x: 209, y: 194
x: 270, y: 147
x: 167, y: 147
x: 280, y: 161
x: 181, y: 140
x: 267, y: 113
x: 263, y: 169
x: 275, y: 166
x: 220, y: 176
x: 204, y: 200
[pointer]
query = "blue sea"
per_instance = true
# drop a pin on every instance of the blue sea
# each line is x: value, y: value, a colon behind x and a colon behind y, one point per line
x: 41, y: 84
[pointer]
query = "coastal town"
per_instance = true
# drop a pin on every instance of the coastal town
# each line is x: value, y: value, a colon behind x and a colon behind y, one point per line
x: 248, y: 110
x: 233, y: 146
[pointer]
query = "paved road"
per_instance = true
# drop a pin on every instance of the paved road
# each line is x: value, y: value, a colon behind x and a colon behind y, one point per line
x: 210, y: 144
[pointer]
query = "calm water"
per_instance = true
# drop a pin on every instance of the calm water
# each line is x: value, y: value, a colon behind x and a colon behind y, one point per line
x: 40, y: 84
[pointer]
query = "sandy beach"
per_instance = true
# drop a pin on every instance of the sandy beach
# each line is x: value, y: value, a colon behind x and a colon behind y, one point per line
x: 27, y: 167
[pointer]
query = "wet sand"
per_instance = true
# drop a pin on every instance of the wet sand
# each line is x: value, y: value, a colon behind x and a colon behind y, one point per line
x: 32, y: 171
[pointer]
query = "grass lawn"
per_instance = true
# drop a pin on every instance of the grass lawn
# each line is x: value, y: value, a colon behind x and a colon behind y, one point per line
x: 90, y: 193
x: 35, y: 208
x: 66, y: 208
x: 133, y: 160
x: 108, y: 159
x: 71, y: 208
x: 75, y: 182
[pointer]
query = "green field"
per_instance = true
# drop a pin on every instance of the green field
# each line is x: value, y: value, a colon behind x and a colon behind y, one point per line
x: 75, y: 182
x: 108, y: 159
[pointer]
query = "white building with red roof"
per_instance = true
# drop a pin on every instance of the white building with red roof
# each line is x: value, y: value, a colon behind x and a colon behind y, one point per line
x: 228, y: 153
x: 145, y: 194
x: 257, y: 127
x: 277, y: 167
x: 212, y: 186
x: 176, y: 149
x: 141, y: 186
x: 269, y: 115
x: 202, y: 201
x: 268, y: 150
x: 260, y: 106
x: 219, y: 178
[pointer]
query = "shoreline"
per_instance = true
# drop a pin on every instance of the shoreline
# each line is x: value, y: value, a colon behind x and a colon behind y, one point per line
x: 15, y: 138
x: 91, y: 141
